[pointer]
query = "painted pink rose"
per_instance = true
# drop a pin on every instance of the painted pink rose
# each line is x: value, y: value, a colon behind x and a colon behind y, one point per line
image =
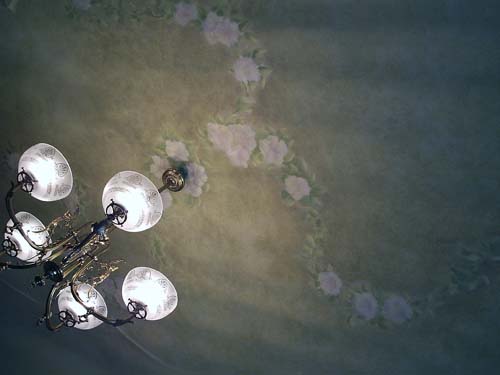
x: 220, y: 136
x: 158, y: 166
x: 397, y: 310
x: 236, y: 141
x: 220, y: 30
x: 185, y: 13
x: 238, y: 157
x: 365, y: 305
x: 210, y: 27
x: 246, y: 70
x: 297, y: 187
x: 176, y: 150
x: 330, y: 283
x: 196, y: 178
x: 273, y: 149
x: 166, y: 199
x: 228, y: 32
x: 243, y: 136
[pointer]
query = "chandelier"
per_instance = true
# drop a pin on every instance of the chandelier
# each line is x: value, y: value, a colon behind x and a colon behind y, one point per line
x: 72, y: 263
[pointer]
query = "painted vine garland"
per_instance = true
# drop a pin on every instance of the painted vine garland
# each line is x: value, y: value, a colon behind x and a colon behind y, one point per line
x: 245, y: 147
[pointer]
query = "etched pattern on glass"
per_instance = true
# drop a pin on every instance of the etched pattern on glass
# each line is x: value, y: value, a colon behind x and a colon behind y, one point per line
x: 138, y: 195
x: 150, y: 288
x: 90, y: 297
x: 50, y: 170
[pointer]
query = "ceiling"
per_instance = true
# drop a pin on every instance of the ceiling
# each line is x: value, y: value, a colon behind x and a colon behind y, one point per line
x: 348, y: 221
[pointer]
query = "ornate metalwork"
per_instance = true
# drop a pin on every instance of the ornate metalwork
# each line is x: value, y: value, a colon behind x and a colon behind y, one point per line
x: 10, y: 248
x: 116, y: 213
x: 137, y: 309
x: 173, y: 180
x: 66, y: 219
x: 27, y: 183
x: 75, y: 258
x: 66, y: 318
x: 105, y: 270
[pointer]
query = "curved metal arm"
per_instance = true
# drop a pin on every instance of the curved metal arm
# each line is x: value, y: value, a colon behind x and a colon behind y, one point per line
x: 50, y: 299
x: 48, y: 308
x: 6, y: 265
x: 73, y: 285
x: 18, y: 225
x: 59, y: 251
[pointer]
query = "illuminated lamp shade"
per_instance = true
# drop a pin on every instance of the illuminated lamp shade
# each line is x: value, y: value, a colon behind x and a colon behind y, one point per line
x: 90, y: 297
x: 36, y: 232
x: 49, y: 169
x: 138, y: 195
x: 152, y: 289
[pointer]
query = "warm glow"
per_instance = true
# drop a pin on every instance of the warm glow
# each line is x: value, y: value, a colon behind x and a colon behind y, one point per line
x: 51, y: 171
x: 138, y: 195
x: 151, y: 288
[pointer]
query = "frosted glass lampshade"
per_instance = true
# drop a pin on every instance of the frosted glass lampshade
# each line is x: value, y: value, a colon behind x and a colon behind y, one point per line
x: 51, y: 171
x: 90, y: 297
x: 150, y: 288
x: 138, y: 195
x: 30, y: 225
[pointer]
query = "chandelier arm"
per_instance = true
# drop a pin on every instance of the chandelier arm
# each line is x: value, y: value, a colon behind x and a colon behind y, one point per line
x: 67, y: 218
x: 72, y: 235
x: 90, y: 310
x: 79, y: 244
x: 54, y: 255
x: 173, y: 179
x: 82, y: 263
x: 12, y: 266
x: 48, y: 308
x: 75, y: 251
x: 18, y: 225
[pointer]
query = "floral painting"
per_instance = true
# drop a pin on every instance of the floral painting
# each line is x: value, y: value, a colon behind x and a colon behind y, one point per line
x: 340, y: 159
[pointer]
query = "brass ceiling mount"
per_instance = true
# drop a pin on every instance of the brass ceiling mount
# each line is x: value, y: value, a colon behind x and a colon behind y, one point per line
x: 173, y: 179
x: 71, y: 255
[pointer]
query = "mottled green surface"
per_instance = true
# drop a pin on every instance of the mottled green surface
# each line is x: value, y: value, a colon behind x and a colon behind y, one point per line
x: 393, y: 104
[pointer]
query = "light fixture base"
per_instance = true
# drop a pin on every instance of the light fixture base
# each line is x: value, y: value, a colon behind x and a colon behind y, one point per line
x: 173, y: 180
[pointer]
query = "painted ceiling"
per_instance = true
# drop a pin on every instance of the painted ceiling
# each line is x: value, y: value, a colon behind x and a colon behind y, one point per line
x: 342, y: 211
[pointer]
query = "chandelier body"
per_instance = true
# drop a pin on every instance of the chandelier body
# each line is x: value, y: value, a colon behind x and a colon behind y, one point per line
x: 73, y: 263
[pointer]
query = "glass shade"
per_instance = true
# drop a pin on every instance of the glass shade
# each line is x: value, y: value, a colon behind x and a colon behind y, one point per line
x: 90, y: 297
x: 51, y: 171
x: 138, y: 195
x: 35, y: 230
x: 151, y: 288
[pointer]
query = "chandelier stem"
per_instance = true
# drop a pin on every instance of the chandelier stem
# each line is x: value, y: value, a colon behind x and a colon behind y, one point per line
x: 5, y: 265
x: 18, y: 225
x: 71, y: 267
